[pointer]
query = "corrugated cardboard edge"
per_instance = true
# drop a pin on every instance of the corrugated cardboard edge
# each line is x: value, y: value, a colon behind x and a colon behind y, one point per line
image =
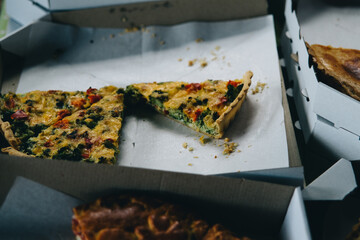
x: 162, y: 13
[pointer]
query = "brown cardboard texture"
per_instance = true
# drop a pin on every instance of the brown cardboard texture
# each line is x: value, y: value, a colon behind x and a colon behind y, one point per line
x: 162, y: 13
x: 241, y: 201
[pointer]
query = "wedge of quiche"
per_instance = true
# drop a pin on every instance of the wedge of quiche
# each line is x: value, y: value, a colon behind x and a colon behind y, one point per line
x: 337, y: 67
x: 207, y: 107
x: 89, y: 133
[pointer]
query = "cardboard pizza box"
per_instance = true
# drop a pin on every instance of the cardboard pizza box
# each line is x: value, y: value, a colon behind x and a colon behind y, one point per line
x: 327, y: 117
x: 106, y: 45
x: 24, y: 11
x: 258, y: 209
x: 332, y: 201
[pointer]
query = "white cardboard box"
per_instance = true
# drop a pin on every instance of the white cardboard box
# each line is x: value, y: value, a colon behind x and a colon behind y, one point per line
x: 327, y: 117
x: 24, y: 11
x: 332, y: 201
x: 45, y: 37
x: 239, y: 202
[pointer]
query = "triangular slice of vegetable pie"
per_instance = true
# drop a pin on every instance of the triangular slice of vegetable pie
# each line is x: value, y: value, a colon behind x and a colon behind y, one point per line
x: 206, y: 107
x: 90, y: 134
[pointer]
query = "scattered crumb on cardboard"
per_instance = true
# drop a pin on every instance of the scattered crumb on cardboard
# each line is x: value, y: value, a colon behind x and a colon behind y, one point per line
x: 185, y: 145
x: 229, y: 147
x: 190, y: 164
x: 259, y: 88
x: 215, y: 156
x: 153, y: 35
x: 226, y: 140
x: 196, y: 157
x: 199, y: 40
x: 180, y: 59
x: 112, y: 35
x: 217, y: 48
x: 191, y: 149
x: 162, y: 42
x: 192, y: 62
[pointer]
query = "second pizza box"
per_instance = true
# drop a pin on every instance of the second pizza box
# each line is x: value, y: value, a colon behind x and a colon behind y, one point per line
x: 74, y: 50
x: 257, y: 209
x: 327, y: 116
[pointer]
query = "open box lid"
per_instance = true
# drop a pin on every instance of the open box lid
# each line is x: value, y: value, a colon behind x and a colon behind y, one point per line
x: 315, y: 21
x: 334, y: 184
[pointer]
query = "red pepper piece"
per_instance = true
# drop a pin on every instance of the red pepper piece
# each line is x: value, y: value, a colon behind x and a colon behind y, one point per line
x: 94, y: 98
x: 19, y: 115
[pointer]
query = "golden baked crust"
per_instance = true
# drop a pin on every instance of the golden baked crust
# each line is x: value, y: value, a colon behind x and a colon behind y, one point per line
x: 14, y: 152
x: 137, y: 217
x: 340, y: 67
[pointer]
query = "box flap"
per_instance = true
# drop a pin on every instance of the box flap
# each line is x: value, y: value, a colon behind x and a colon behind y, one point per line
x: 333, y: 184
x: 162, y: 13
x: 295, y: 226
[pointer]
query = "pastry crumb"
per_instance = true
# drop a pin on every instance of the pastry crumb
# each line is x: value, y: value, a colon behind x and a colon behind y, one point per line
x: 215, y: 156
x: 204, y: 140
x: 196, y: 157
x: 229, y: 147
x: 180, y: 59
x: 162, y: 42
x: 191, y: 149
x: 185, y: 145
x: 226, y: 140
x: 259, y: 88
x: 203, y: 64
x: 192, y: 62
x: 249, y: 146
x: 153, y: 35
x: 190, y: 164
x: 199, y: 40
x: 239, y: 150
x: 217, y: 48
x: 131, y: 29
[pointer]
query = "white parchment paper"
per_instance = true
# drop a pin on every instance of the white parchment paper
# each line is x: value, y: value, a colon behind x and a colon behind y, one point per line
x: 99, y: 57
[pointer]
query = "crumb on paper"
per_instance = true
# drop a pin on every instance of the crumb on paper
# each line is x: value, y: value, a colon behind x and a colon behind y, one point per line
x: 199, y: 40
x: 217, y: 48
x: 249, y: 146
x: 112, y: 35
x: 192, y: 62
x: 259, y: 88
x: 215, y: 156
x: 191, y: 149
x: 187, y: 49
x: 190, y: 164
x: 162, y: 42
x: 204, y: 140
x: 153, y: 35
x: 212, y: 53
x: 203, y: 64
x: 214, y: 58
x: 226, y: 140
x: 180, y: 59
x: 229, y: 147
x: 185, y: 145
x: 239, y: 150
x: 223, y: 57
x: 196, y: 157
